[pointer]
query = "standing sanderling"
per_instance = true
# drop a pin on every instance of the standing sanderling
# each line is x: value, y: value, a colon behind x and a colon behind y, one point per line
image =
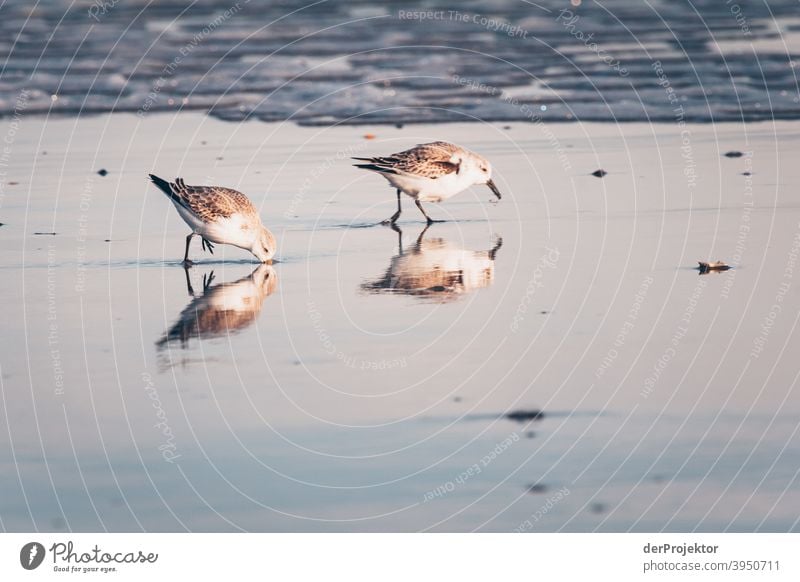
x: 431, y: 172
x: 219, y: 215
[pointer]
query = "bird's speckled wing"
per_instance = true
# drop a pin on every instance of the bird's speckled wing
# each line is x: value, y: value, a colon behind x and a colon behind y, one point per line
x: 428, y: 160
x: 210, y: 203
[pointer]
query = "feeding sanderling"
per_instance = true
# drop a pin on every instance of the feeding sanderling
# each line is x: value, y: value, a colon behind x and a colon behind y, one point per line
x: 219, y: 215
x: 431, y: 172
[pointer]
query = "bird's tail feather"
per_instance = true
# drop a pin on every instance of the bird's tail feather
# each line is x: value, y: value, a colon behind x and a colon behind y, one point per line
x: 162, y: 185
x: 170, y: 189
x: 375, y: 165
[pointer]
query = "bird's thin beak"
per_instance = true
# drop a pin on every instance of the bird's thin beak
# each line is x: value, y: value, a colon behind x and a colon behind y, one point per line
x: 494, y: 189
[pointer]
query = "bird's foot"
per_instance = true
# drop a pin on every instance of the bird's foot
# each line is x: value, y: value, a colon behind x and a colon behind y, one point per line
x: 206, y: 244
x: 187, y: 264
x: 207, y: 280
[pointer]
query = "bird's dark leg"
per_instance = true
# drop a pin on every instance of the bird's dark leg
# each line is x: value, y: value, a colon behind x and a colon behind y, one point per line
x: 206, y: 244
x: 189, y: 288
x: 396, y: 215
x: 422, y: 210
x: 497, y: 245
x: 399, y: 232
x: 207, y: 281
x: 422, y: 235
x: 186, y: 261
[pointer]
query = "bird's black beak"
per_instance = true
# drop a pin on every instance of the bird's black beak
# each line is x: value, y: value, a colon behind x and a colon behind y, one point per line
x: 494, y: 189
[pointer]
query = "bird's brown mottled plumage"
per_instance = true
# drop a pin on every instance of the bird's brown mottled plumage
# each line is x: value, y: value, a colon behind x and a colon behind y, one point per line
x: 428, y: 160
x: 210, y: 202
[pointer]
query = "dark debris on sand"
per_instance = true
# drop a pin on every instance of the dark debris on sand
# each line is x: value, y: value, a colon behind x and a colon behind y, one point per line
x: 525, y: 415
x: 102, y: 172
x: 599, y: 173
x: 705, y: 267
x: 734, y: 154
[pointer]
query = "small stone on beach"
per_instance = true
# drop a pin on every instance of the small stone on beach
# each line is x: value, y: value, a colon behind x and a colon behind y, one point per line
x: 102, y: 172
x: 599, y: 173
x: 733, y: 154
x: 597, y: 508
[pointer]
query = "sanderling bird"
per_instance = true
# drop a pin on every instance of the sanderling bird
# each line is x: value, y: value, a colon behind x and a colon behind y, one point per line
x: 431, y: 172
x: 219, y: 215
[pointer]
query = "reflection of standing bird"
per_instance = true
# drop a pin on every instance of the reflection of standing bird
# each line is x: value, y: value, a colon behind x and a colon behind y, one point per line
x: 219, y: 215
x: 436, y: 269
x: 431, y: 172
x: 222, y: 309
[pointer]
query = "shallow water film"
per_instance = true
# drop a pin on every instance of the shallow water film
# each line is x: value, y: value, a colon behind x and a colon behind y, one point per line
x: 611, y: 345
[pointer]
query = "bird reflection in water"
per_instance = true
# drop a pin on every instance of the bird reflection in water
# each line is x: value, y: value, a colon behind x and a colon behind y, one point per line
x: 222, y: 309
x: 436, y: 269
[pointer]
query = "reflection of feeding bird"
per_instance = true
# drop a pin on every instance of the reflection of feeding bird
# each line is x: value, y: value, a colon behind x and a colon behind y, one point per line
x: 431, y: 172
x: 219, y: 215
x: 436, y: 269
x: 222, y: 309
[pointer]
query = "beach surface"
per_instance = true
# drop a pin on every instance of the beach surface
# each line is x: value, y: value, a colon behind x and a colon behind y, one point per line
x: 551, y: 362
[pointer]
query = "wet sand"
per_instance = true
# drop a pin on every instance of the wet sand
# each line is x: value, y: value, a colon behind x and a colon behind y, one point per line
x: 354, y: 386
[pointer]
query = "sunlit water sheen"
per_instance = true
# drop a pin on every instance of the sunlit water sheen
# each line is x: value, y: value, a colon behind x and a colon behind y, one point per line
x: 364, y: 381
